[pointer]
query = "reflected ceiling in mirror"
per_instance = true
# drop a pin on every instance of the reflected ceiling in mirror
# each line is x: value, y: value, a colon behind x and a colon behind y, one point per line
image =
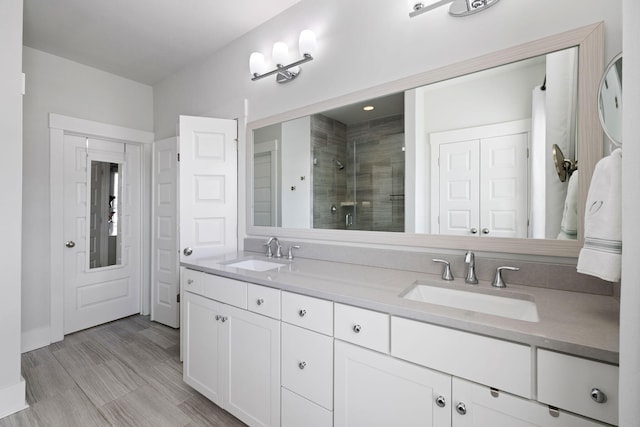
x: 309, y: 176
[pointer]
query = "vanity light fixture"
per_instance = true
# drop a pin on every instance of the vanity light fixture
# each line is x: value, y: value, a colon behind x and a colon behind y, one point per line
x: 280, y: 56
x: 457, y: 8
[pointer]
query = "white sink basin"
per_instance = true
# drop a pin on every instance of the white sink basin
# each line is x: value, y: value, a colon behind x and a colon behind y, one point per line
x: 514, y: 306
x: 256, y: 265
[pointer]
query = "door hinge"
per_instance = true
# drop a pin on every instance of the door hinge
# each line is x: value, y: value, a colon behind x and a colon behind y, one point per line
x: 178, y: 156
x: 178, y: 298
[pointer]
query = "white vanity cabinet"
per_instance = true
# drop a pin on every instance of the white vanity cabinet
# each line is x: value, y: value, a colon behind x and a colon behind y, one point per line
x: 375, y: 389
x: 231, y: 355
x: 475, y: 405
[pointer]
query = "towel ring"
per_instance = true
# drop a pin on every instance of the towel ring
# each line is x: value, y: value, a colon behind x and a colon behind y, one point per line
x: 564, y: 167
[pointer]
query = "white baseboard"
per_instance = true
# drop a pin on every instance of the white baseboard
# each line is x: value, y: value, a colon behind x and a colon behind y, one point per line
x: 36, y: 338
x: 13, y: 399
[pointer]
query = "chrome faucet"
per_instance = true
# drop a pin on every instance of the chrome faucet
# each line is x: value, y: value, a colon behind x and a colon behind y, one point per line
x: 470, y: 259
x: 278, y: 248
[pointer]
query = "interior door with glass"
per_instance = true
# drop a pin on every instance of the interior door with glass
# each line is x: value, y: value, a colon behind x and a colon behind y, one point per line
x: 102, y: 231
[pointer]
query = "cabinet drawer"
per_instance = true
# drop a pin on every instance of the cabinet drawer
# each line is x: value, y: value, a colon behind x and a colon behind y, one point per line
x: 228, y: 291
x: 494, y: 362
x: 362, y: 327
x: 263, y: 300
x: 308, y: 312
x: 307, y: 364
x: 567, y: 382
x: 298, y: 411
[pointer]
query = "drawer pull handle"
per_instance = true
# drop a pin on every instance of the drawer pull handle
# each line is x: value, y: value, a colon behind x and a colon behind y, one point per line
x: 190, y: 281
x: 461, y: 408
x: 260, y: 301
x: 302, y: 365
x: 357, y: 328
x: 598, y: 395
x: 440, y: 401
x: 302, y: 313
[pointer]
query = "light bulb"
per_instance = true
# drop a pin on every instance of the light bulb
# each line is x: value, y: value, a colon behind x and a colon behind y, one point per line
x: 307, y: 43
x: 256, y: 63
x: 280, y: 53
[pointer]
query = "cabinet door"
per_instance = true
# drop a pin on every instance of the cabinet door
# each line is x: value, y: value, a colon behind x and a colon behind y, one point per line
x: 475, y: 405
x: 202, y: 342
x: 373, y: 389
x: 252, y: 373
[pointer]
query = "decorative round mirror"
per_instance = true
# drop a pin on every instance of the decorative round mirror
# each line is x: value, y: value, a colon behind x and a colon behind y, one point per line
x: 610, y: 100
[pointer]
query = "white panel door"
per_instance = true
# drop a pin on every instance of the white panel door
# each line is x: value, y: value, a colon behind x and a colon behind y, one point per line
x: 459, y: 188
x: 165, y: 277
x: 208, y: 186
x: 373, y: 389
x: 503, y: 185
x: 94, y: 293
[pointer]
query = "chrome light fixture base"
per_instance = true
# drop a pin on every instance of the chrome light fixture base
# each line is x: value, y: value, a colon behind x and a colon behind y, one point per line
x: 458, y: 8
x: 284, y: 73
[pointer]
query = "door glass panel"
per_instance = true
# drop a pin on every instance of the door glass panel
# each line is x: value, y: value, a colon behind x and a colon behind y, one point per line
x: 105, y: 233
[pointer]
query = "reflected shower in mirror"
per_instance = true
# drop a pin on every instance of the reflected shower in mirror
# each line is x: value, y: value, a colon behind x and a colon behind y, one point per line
x: 472, y: 155
x: 104, y: 235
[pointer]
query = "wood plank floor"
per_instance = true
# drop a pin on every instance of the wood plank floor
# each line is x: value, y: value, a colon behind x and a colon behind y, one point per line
x: 123, y: 373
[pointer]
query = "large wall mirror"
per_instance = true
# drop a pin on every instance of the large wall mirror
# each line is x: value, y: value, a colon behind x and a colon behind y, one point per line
x: 460, y: 157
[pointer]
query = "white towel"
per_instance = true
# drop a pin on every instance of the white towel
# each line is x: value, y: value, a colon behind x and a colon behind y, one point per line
x: 602, y: 250
x: 569, y: 223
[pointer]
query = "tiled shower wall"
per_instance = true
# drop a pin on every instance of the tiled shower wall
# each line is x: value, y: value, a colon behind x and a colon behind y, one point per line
x: 378, y: 164
x: 379, y: 168
x: 329, y: 143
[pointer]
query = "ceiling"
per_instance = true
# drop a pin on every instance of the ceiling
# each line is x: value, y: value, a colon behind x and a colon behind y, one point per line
x: 142, y: 40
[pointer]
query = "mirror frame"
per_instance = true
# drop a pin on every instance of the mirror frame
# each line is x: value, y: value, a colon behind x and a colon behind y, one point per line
x: 590, y: 41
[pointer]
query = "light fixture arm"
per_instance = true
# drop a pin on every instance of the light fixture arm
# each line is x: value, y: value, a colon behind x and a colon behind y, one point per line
x: 284, y: 75
x: 418, y: 10
x: 458, y: 8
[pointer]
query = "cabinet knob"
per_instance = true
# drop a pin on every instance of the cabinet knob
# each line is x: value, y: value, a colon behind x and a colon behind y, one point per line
x: 218, y: 317
x: 485, y: 231
x: 224, y: 319
x: 598, y: 395
x: 260, y: 301
x: 187, y: 251
x: 461, y: 408
x: 441, y: 401
x: 302, y: 313
x: 190, y: 281
x: 474, y: 230
x: 302, y: 365
x: 70, y: 243
x: 357, y: 328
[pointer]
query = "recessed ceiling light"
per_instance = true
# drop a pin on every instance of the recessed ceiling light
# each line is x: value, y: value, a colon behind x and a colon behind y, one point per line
x: 368, y: 108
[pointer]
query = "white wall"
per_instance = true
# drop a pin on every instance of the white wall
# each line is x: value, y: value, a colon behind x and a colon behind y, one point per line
x: 630, y: 292
x: 296, y: 145
x: 12, y: 390
x: 57, y: 85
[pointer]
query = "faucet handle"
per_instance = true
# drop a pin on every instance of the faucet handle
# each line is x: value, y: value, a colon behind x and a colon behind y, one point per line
x: 291, y: 248
x: 268, y: 245
x: 446, y: 273
x: 498, y: 281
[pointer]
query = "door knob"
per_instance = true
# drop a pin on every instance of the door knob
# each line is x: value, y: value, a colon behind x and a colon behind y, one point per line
x: 187, y: 251
x: 70, y: 243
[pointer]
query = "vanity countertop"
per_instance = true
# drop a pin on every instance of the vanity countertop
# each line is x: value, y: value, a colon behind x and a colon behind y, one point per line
x: 576, y: 323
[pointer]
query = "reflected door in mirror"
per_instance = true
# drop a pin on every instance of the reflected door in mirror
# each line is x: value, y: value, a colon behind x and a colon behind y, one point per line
x: 104, y: 214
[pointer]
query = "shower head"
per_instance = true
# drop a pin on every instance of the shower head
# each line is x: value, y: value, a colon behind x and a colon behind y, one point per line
x: 339, y: 164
